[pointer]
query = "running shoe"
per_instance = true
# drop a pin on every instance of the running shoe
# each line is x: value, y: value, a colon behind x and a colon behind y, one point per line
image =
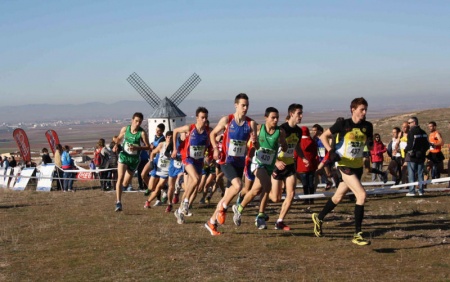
x: 158, y: 203
x: 281, y: 226
x: 260, y: 223
x: 264, y: 215
x: 236, y: 216
x: 202, y: 201
x: 317, y: 225
x: 179, y: 216
x: 410, y: 194
x: 147, y: 192
x: 176, y: 199
x: 358, y: 239
x: 186, y: 212
x: 222, y: 216
x: 420, y: 194
x: 207, y: 200
x: 164, y: 197
x: 169, y: 208
x: 118, y: 206
x: 329, y: 185
x: 212, y: 228
x: 147, y: 205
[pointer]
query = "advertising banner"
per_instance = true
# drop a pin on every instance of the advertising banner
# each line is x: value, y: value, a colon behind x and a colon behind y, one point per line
x: 23, y: 177
x: 53, y: 139
x: 22, y: 142
x: 45, y: 178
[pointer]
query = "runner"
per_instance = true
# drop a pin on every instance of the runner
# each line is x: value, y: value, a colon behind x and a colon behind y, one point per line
x: 132, y: 136
x: 176, y: 171
x: 161, y: 156
x: 270, y: 138
x: 193, y: 156
x: 238, y: 130
x: 354, y: 134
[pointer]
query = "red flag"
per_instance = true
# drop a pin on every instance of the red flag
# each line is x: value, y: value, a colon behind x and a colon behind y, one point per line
x: 52, y: 138
x: 22, y: 141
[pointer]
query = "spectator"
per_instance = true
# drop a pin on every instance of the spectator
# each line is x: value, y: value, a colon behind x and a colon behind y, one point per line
x: 113, y: 160
x: 67, y: 164
x: 45, y: 157
x: 12, y: 162
x: 435, y: 154
x: 393, y: 150
x: 376, y: 156
x: 104, y: 161
x: 416, y: 149
x: 58, y: 172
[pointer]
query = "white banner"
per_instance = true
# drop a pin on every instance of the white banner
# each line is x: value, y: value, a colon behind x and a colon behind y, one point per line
x: 22, y: 178
x: 45, y: 177
x: 5, y: 178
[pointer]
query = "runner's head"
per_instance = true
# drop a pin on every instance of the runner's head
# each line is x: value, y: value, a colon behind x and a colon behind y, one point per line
x: 432, y: 126
x: 295, y: 112
x: 271, y: 114
x: 202, y: 116
x: 160, y: 129
x: 169, y: 135
x: 241, y: 103
x: 137, y: 119
x: 317, y: 130
x: 358, y: 109
x: 395, y: 132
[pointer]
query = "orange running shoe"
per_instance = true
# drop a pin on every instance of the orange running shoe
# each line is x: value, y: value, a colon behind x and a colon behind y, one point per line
x: 222, y: 216
x: 212, y: 228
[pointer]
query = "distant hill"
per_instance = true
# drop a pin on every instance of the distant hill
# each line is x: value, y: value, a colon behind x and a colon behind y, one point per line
x: 440, y: 115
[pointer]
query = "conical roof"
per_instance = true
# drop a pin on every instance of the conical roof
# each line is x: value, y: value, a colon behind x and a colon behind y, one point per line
x: 167, y: 109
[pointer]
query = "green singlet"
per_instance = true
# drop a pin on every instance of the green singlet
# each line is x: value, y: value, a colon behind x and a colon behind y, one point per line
x: 128, y: 157
x: 265, y: 156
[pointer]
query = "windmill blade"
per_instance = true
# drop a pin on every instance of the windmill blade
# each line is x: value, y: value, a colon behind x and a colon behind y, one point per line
x: 143, y: 89
x: 185, y: 89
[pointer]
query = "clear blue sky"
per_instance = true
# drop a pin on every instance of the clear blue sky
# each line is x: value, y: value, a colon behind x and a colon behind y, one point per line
x: 83, y: 51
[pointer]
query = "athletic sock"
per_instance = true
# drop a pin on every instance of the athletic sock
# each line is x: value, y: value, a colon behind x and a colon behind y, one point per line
x: 329, y: 206
x: 261, y: 214
x: 359, y: 214
x: 240, y: 209
x: 225, y: 207
x: 279, y: 220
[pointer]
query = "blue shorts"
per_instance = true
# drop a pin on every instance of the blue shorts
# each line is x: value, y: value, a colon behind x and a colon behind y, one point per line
x: 198, y: 164
x: 248, y: 174
x: 173, y: 170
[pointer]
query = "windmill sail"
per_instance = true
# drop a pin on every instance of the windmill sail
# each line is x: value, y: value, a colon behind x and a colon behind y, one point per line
x: 143, y: 89
x: 185, y: 89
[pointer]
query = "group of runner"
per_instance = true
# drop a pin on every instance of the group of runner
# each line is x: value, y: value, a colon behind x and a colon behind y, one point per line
x: 260, y: 155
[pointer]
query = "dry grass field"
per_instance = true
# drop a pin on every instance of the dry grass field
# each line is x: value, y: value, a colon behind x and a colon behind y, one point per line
x: 78, y: 237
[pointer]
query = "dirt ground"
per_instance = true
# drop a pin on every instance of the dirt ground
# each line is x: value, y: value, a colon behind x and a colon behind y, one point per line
x: 59, y: 236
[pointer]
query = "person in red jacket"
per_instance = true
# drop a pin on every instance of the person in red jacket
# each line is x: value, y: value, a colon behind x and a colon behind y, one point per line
x: 376, y: 157
x: 306, y: 173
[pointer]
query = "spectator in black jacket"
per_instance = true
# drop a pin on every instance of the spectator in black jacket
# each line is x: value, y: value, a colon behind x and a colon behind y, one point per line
x: 45, y: 157
x: 416, y: 150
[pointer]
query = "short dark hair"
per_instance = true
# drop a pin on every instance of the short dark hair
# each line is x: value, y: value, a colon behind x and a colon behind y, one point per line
x: 415, y: 119
x: 201, y: 110
x: 44, y: 150
x: 396, y: 129
x: 161, y: 126
x: 293, y: 107
x: 318, y: 127
x: 169, y: 133
x: 139, y: 115
x: 432, y: 123
x: 270, y: 110
x: 239, y: 97
x: 358, y: 101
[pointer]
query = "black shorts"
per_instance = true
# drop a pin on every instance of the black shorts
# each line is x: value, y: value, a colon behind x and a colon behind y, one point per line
x: 284, y: 173
x: 231, y: 172
x: 351, y: 171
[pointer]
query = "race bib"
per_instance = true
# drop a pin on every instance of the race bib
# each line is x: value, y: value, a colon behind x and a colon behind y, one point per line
x: 354, y: 149
x: 163, y: 163
x: 236, y: 148
x: 197, y: 152
x: 290, y: 151
x: 126, y: 148
x: 176, y: 164
x: 321, y: 152
x: 265, y: 156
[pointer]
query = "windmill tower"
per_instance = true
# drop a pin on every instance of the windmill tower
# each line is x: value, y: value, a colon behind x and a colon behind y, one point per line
x: 166, y: 110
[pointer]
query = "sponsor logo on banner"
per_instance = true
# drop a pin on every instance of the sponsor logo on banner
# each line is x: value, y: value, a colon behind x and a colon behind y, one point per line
x: 53, y: 139
x: 85, y: 175
x: 22, y: 142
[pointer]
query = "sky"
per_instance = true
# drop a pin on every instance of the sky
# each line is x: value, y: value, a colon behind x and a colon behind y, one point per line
x: 75, y: 52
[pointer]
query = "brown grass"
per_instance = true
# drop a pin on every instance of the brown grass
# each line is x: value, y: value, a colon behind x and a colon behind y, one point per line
x: 77, y: 236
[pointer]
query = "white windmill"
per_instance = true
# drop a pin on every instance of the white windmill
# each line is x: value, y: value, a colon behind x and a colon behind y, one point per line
x: 166, y: 111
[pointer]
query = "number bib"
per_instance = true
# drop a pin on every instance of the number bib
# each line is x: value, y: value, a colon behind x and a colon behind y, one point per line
x: 126, y: 148
x: 265, y: 156
x: 236, y: 148
x: 354, y: 150
x: 163, y: 164
x: 290, y: 151
x: 197, y: 152
x: 176, y: 164
x: 321, y: 152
